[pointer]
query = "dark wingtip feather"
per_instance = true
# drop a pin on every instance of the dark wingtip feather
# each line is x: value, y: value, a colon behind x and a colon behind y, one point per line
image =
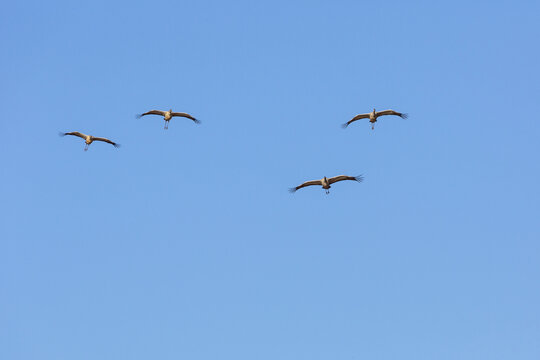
x: 292, y: 190
x: 61, y: 133
x: 196, y: 121
x: 345, y: 125
x: 404, y: 116
x: 116, y: 145
x: 359, y: 178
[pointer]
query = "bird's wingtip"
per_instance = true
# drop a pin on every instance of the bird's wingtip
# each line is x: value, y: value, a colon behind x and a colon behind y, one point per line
x: 138, y: 116
x: 116, y: 145
x: 359, y: 178
x: 61, y: 133
x: 292, y: 190
x: 404, y: 116
x: 345, y: 125
x: 196, y: 121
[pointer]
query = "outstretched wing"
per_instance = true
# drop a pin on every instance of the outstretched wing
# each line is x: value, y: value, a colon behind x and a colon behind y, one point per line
x: 181, y: 114
x: 357, y: 117
x: 335, y: 179
x: 307, y: 183
x: 75, y: 133
x: 391, y: 112
x: 152, y: 112
x: 107, y: 141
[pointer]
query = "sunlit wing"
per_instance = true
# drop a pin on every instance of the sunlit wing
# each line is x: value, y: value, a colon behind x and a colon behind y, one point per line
x: 75, y: 133
x: 107, y: 141
x: 391, y: 112
x: 181, y: 114
x: 153, y: 112
x: 357, y: 117
x: 335, y: 179
x: 307, y: 183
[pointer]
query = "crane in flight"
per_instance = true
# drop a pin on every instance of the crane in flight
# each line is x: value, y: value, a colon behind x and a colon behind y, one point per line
x: 168, y: 115
x: 326, y: 182
x: 372, y: 116
x: 88, y: 139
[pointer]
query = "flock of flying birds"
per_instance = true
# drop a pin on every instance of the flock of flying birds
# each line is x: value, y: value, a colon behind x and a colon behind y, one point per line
x: 324, y: 182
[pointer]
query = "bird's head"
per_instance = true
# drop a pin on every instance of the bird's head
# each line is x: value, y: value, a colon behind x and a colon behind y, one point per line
x: 374, y: 110
x: 170, y: 110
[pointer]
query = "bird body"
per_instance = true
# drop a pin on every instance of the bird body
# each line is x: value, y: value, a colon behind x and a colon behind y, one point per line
x: 89, y: 139
x: 168, y: 115
x: 326, y: 182
x: 373, y: 116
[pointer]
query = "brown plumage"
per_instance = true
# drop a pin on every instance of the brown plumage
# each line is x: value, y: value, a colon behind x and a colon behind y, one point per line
x: 88, y: 139
x: 372, y: 116
x: 326, y: 182
x: 168, y: 115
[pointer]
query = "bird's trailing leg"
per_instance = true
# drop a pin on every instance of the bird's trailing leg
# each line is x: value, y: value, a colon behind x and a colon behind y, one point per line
x: 86, y: 147
x: 166, y: 125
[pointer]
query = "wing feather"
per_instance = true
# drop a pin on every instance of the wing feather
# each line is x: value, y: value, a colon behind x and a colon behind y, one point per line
x: 307, y: 183
x: 107, y: 141
x: 186, y: 115
x: 391, y: 112
x: 75, y: 133
x: 357, y: 117
x: 152, y: 112
x: 335, y: 179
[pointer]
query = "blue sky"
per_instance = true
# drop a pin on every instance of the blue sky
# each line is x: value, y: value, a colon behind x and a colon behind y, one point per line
x: 185, y: 243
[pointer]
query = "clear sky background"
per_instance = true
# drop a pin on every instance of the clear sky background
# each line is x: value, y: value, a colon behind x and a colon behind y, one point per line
x: 186, y: 244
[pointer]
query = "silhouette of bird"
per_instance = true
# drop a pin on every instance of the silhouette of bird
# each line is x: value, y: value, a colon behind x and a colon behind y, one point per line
x: 372, y: 116
x: 168, y: 115
x: 326, y: 182
x: 88, y: 139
